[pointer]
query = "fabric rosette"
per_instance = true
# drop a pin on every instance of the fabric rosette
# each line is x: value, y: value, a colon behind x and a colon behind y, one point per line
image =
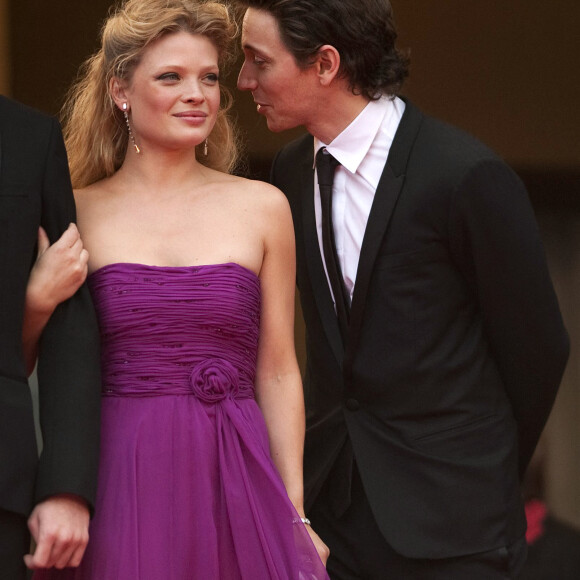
x: 212, y: 380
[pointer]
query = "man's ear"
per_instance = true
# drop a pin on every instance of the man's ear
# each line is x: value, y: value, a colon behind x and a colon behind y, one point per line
x: 118, y: 93
x: 328, y: 63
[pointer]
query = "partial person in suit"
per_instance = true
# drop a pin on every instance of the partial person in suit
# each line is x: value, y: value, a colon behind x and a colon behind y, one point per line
x: 36, y: 205
x: 435, y: 344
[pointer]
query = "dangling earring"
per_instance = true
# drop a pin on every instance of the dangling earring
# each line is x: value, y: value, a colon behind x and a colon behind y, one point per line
x: 205, y: 148
x: 126, y: 115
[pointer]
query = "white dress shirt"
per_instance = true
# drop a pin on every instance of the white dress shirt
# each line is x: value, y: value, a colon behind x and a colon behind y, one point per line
x: 362, y: 150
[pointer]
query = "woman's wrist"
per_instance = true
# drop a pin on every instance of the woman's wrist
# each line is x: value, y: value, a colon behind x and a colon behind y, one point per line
x: 39, y: 303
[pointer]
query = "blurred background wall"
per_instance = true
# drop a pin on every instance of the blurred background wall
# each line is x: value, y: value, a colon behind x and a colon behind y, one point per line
x: 4, y: 48
x: 506, y: 71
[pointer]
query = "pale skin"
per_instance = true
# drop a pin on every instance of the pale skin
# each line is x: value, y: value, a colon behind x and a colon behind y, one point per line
x: 287, y: 95
x: 59, y: 525
x: 57, y: 274
x: 60, y: 529
x: 164, y: 208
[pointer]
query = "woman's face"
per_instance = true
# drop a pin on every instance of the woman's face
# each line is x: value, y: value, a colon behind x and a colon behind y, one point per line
x: 173, y: 96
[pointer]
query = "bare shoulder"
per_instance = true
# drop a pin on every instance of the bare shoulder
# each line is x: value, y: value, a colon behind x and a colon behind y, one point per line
x: 91, y: 193
x: 262, y: 196
x: 95, y: 204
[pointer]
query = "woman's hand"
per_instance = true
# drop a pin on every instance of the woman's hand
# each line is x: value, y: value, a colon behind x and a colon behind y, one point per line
x: 321, y: 547
x: 58, y: 272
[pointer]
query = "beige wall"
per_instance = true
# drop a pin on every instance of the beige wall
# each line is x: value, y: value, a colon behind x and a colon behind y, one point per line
x: 504, y: 70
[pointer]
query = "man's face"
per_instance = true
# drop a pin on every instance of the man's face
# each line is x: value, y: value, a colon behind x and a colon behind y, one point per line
x: 282, y: 91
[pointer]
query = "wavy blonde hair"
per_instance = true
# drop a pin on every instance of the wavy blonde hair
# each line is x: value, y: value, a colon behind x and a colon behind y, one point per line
x: 94, y: 128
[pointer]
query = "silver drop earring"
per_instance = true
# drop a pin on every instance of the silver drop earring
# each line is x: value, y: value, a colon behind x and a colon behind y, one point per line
x: 205, y: 148
x: 131, y: 136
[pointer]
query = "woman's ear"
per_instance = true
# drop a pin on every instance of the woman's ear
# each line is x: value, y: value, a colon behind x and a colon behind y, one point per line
x: 328, y: 63
x: 118, y: 93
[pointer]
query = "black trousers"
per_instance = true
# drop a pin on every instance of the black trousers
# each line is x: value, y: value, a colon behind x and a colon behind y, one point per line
x: 359, y: 551
x: 14, y: 543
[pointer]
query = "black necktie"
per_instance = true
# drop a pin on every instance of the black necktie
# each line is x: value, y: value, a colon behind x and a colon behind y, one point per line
x: 325, y: 167
x: 340, y: 486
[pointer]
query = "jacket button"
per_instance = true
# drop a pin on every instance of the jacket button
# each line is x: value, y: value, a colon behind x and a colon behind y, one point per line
x: 352, y: 405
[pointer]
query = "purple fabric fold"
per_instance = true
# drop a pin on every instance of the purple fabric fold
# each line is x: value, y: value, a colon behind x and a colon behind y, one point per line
x: 187, y: 488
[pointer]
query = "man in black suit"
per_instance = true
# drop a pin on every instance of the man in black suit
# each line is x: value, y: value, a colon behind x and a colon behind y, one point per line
x: 435, y: 344
x: 59, y: 488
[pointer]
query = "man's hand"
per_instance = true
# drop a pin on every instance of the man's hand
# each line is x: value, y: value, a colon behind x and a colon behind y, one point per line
x: 60, y: 528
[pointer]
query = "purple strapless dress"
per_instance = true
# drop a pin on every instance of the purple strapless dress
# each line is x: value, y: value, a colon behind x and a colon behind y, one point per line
x: 187, y: 489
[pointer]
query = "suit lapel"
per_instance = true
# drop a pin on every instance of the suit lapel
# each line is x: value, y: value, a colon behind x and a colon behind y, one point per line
x: 314, y: 262
x: 386, y: 196
x: 385, y: 200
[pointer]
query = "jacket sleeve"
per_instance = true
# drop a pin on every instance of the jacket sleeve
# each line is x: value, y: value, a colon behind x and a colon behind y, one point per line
x: 69, y: 360
x: 498, y: 248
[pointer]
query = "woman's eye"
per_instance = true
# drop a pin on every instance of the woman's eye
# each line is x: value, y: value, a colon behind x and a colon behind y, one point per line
x: 168, y: 77
x: 212, y: 78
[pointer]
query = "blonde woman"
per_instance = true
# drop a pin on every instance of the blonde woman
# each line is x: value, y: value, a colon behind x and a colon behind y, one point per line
x: 192, y: 274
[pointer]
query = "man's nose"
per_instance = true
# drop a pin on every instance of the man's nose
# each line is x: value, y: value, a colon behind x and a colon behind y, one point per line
x: 245, y: 80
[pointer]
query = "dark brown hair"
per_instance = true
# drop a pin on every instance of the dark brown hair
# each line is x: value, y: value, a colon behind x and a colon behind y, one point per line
x: 362, y: 31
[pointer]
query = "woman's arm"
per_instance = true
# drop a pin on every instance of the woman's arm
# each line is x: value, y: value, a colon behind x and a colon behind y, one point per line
x: 58, y: 272
x: 278, y: 382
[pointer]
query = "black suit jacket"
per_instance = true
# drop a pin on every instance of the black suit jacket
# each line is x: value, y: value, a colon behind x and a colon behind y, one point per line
x: 35, y: 190
x: 456, y: 345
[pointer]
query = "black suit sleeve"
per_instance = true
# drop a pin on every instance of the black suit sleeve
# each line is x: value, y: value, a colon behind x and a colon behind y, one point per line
x: 272, y: 178
x: 69, y: 361
x: 497, y: 246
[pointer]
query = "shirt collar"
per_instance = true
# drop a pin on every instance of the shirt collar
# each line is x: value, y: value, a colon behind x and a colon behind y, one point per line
x: 352, y: 145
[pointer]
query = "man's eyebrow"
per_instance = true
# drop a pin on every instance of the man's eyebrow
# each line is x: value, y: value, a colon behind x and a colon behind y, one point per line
x: 253, y: 48
x: 248, y: 46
